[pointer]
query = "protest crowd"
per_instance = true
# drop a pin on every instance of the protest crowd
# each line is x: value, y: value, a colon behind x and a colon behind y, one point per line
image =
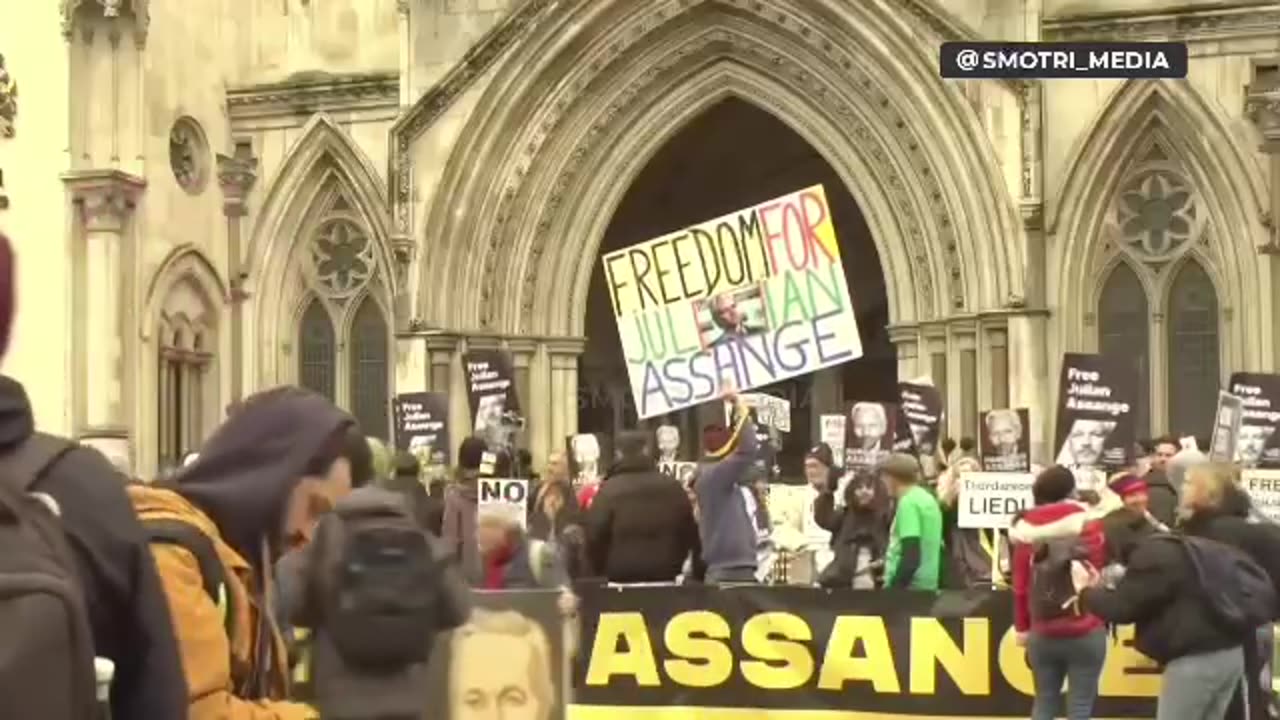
x: 295, y: 567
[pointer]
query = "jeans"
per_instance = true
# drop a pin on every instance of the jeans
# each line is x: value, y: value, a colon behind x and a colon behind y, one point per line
x: 1079, y: 661
x: 1199, y: 687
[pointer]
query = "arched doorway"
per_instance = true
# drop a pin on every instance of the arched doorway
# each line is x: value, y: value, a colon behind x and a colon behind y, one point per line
x: 703, y: 172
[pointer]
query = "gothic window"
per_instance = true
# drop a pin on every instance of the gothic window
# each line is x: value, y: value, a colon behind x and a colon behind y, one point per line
x: 316, y: 351
x: 1123, y: 332
x: 187, y: 383
x: 1192, y: 350
x: 344, y: 336
x: 368, y: 366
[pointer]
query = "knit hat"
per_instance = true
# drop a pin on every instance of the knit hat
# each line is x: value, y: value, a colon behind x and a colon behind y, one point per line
x: 822, y: 453
x: 901, y: 466
x: 471, y: 453
x: 1127, y: 485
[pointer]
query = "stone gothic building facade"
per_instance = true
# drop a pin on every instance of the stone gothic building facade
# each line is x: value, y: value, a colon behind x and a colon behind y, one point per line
x: 349, y: 194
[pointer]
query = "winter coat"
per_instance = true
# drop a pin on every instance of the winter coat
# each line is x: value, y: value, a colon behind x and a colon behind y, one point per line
x: 128, y: 612
x: 729, y: 535
x: 640, y: 528
x: 1042, y: 524
x: 459, y: 525
x: 859, y: 536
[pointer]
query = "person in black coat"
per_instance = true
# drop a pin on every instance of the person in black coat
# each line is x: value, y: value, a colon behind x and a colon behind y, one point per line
x: 859, y: 531
x: 1216, y: 508
x: 640, y: 527
x: 1160, y: 594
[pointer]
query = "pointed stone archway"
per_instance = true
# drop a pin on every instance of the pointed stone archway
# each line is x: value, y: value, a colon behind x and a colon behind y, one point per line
x: 577, y: 108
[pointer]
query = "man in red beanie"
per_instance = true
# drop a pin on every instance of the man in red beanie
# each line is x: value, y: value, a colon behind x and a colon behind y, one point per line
x: 727, y: 530
x: 1132, y: 490
x: 128, y: 611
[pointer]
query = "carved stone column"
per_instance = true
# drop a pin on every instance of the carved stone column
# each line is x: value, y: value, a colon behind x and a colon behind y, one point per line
x: 441, y: 350
x: 405, y: 28
x: 1262, y: 105
x: 236, y: 175
x: 562, y: 361
x: 103, y: 394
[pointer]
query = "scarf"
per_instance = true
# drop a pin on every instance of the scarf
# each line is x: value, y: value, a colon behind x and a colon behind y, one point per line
x: 495, y: 568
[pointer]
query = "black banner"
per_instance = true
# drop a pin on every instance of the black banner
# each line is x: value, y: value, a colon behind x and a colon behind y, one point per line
x: 703, y: 650
x: 1095, y: 413
x: 869, y: 434
x: 1258, y: 444
x: 422, y: 425
x: 1005, y: 440
x: 922, y: 407
x: 491, y: 394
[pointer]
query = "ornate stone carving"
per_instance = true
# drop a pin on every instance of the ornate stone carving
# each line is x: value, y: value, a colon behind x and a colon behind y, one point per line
x: 138, y: 9
x: 8, y: 101
x: 875, y: 100
x: 237, y: 174
x: 341, y: 257
x: 403, y: 249
x: 189, y: 155
x: 1157, y: 212
x: 105, y: 198
x: 314, y: 92
x: 1191, y: 25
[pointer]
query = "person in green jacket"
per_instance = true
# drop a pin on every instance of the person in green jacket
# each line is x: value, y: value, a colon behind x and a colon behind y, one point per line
x: 914, y: 558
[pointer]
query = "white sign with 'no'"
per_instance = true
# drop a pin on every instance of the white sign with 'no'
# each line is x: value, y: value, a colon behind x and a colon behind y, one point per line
x: 508, y: 492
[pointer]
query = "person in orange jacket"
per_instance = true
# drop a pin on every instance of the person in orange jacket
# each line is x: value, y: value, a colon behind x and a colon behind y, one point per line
x: 280, y: 460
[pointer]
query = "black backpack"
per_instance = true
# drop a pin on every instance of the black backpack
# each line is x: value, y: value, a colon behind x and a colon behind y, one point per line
x: 1053, y: 593
x: 46, y: 667
x: 380, y: 581
x: 1237, y: 590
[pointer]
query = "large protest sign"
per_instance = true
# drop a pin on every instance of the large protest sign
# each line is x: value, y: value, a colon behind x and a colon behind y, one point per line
x: 1005, y: 440
x: 751, y: 298
x: 774, y: 412
x: 752, y: 652
x: 869, y: 434
x: 922, y: 408
x: 1226, y: 427
x: 1258, y: 443
x: 1095, y: 428
x: 421, y: 425
x: 1263, y: 487
x: 509, y: 493
x: 989, y: 500
x: 832, y: 433
x: 491, y: 393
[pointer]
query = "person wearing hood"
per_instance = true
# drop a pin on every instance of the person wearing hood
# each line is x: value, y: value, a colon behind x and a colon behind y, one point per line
x: 1214, y: 507
x: 128, y: 615
x: 460, y: 499
x: 1072, y: 647
x: 640, y: 529
x: 859, y: 530
x: 279, y: 462
x: 727, y: 530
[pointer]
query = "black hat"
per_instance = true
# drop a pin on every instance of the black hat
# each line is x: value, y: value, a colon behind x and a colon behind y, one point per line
x: 471, y: 453
x: 822, y: 453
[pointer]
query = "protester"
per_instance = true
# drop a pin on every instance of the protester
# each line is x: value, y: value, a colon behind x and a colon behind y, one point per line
x: 1163, y: 449
x: 283, y: 459
x: 1161, y: 595
x: 458, y: 526
x: 640, y: 529
x: 1214, y: 507
x: 426, y: 504
x: 859, y: 532
x: 371, y: 644
x: 1060, y: 645
x: 914, y: 557
x: 821, y: 477
x: 971, y: 553
x: 554, y: 507
x: 128, y: 615
x: 514, y: 561
x: 727, y: 530
x: 1134, y: 494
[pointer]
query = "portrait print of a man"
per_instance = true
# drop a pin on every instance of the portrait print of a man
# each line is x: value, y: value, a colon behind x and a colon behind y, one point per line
x: 1251, y: 443
x: 501, y: 669
x: 668, y: 441
x: 729, y: 315
x: 870, y: 423
x: 1085, y: 443
x: 490, y: 423
x: 1004, y: 432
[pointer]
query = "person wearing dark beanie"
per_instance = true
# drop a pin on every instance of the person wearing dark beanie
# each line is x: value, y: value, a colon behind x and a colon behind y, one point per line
x: 1072, y: 645
x: 460, y: 504
x: 130, y: 622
